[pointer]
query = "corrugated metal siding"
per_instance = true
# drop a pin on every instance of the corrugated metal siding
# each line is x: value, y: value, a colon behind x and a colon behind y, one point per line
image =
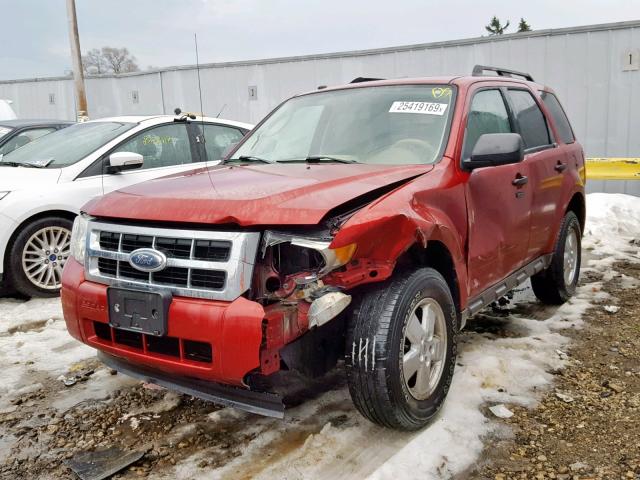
x: 583, y: 65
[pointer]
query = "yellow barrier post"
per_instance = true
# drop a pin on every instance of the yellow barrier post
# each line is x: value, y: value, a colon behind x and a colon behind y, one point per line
x: 613, y: 168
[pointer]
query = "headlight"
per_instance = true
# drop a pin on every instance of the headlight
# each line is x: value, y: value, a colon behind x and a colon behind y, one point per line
x: 294, y: 254
x: 79, y: 237
x: 3, y: 194
x: 333, y: 257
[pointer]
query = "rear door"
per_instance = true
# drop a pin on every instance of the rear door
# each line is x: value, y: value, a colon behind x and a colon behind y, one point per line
x: 498, y: 209
x: 544, y: 159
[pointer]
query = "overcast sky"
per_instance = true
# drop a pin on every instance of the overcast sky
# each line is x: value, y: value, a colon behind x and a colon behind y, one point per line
x: 35, y: 42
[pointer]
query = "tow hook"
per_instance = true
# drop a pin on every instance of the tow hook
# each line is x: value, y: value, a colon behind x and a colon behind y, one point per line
x: 327, y: 307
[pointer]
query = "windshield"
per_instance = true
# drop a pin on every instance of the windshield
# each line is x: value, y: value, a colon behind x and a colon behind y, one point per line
x: 382, y: 125
x: 67, y: 146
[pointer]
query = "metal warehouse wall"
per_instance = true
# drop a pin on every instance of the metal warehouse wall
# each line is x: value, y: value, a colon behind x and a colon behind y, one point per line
x: 594, y: 69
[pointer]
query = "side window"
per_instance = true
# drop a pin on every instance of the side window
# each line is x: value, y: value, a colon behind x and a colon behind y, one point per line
x: 217, y: 139
x: 161, y: 146
x: 559, y: 117
x: 487, y: 114
x: 530, y: 119
x: 23, y: 138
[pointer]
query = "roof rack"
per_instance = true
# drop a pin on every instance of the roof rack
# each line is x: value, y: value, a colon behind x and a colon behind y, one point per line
x: 502, y: 72
x: 364, y: 79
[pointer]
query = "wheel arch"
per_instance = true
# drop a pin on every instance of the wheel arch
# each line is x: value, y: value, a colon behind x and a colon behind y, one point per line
x: 435, y: 255
x: 69, y: 215
x: 577, y: 205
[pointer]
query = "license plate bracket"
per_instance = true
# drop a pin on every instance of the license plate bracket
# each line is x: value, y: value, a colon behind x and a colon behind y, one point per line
x: 138, y: 310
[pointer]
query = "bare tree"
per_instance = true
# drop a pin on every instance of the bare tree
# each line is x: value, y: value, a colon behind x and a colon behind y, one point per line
x: 495, y: 27
x: 119, y: 60
x: 109, y: 60
x: 93, y: 62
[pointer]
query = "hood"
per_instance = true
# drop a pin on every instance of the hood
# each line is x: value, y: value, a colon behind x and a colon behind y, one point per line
x: 274, y: 194
x: 17, y: 178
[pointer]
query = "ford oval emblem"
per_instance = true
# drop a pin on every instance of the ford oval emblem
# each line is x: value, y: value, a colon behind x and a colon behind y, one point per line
x: 148, y: 260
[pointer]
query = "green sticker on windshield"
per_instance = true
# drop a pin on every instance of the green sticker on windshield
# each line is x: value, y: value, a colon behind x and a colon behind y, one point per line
x: 441, y: 92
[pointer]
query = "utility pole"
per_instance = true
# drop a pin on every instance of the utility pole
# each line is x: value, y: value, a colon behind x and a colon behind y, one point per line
x: 78, y: 76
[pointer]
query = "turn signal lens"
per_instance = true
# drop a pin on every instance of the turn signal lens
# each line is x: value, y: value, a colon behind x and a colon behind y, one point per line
x: 344, y: 254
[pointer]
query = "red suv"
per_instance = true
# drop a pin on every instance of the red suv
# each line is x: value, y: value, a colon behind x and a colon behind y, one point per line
x: 365, y: 222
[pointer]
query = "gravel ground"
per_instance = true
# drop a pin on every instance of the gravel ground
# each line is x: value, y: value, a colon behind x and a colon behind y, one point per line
x: 588, y: 425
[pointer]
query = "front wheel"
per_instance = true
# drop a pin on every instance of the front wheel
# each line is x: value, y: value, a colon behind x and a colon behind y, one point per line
x: 401, y: 349
x: 37, y: 257
x: 558, y: 282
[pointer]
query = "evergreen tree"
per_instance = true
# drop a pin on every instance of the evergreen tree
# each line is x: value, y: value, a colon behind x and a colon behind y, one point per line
x: 523, y: 26
x: 495, y: 27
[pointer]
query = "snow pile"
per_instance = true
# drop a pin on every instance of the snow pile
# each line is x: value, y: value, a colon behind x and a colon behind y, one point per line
x: 612, y: 228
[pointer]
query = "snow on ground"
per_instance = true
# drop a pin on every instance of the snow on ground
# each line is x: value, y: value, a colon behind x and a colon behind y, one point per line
x: 33, y: 336
x: 504, y: 358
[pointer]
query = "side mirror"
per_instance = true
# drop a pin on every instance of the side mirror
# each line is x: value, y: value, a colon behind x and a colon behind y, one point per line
x: 119, y: 161
x: 494, y: 149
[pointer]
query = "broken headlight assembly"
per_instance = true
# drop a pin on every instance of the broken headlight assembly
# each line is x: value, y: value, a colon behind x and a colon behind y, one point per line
x: 290, y: 261
x: 293, y: 267
x: 293, y: 254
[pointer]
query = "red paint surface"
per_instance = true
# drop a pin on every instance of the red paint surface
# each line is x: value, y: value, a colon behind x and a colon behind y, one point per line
x: 488, y: 231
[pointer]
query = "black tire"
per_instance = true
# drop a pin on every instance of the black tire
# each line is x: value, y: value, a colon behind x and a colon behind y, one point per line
x: 550, y: 286
x: 376, y: 328
x: 16, y: 276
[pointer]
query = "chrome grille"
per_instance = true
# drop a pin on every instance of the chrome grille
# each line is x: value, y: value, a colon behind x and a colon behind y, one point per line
x: 201, y: 264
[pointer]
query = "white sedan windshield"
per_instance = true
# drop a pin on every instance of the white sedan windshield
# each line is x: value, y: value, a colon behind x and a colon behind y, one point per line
x: 67, y: 146
x: 384, y: 125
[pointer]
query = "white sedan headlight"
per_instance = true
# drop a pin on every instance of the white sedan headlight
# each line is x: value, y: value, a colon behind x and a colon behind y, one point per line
x: 79, y: 237
x: 3, y: 194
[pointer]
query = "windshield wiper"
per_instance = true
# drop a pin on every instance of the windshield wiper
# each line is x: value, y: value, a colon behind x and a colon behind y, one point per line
x: 249, y: 158
x: 326, y: 158
x: 17, y: 164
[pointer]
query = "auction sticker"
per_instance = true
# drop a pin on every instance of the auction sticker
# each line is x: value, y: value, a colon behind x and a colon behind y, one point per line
x: 428, y: 108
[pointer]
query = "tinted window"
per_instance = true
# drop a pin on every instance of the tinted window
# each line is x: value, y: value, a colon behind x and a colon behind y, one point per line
x: 218, y: 138
x: 161, y: 146
x: 69, y: 145
x: 559, y: 117
x: 487, y: 114
x: 533, y: 126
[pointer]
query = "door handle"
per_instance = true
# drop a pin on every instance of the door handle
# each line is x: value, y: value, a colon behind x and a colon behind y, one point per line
x: 520, y: 180
x: 560, y: 167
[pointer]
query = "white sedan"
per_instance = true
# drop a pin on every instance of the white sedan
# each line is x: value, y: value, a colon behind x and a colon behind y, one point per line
x: 44, y: 184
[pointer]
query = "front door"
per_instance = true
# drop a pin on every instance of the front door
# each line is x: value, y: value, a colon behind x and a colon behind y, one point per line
x: 498, y: 199
x: 166, y: 149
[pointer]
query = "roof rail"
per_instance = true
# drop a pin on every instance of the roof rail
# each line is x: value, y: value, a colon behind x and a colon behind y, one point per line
x: 502, y: 72
x: 364, y: 79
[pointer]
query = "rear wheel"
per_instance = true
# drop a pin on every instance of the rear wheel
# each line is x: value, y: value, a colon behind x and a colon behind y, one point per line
x: 401, y: 349
x: 37, y: 257
x: 558, y: 282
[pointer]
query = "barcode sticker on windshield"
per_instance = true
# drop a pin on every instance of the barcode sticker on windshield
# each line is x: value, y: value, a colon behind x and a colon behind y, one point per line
x: 427, y: 108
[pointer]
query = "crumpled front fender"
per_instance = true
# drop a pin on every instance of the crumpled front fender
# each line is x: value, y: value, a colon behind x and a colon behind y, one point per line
x: 430, y: 208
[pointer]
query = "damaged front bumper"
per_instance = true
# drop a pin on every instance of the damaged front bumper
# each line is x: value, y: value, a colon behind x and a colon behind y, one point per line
x: 268, y: 404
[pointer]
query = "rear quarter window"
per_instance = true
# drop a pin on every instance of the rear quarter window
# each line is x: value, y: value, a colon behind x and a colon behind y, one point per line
x: 559, y: 117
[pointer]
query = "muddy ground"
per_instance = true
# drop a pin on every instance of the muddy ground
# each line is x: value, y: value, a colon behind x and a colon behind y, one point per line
x: 585, y: 426
x: 588, y: 425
